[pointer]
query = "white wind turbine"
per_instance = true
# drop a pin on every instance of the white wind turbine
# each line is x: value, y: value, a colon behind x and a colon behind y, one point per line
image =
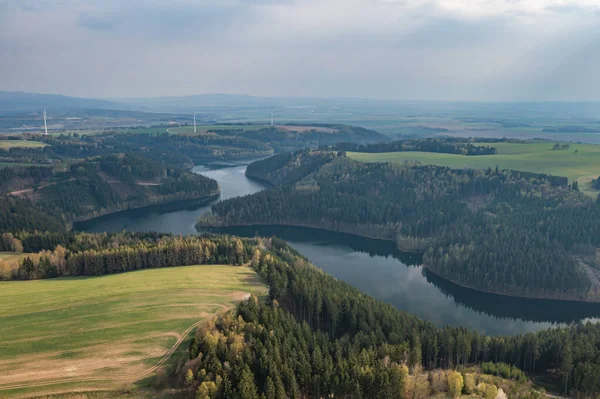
x: 45, y: 125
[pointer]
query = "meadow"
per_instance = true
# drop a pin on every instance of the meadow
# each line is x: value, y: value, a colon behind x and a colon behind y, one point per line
x: 581, y: 162
x: 67, y: 334
x: 8, y: 144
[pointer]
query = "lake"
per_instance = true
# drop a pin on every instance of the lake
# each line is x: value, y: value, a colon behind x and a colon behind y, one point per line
x: 374, y: 266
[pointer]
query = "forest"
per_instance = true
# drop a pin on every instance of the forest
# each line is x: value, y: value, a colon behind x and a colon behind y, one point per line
x: 315, y: 336
x: 187, y: 149
x: 446, y: 145
x: 86, y: 187
x: 318, y: 337
x: 80, y: 254
x: 500, y: 231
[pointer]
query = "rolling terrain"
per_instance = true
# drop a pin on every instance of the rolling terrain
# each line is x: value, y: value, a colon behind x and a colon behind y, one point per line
x: 581, y: 162
x: 65, y: 334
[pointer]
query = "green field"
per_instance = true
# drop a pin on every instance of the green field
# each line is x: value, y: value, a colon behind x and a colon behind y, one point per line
x: 117, y: 329
x: 8, y: 144
x: 538, y: 157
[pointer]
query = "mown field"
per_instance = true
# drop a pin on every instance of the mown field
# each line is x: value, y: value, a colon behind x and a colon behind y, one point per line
x: 107, y: 332
x: 8, y: 144
x: 539, y: 157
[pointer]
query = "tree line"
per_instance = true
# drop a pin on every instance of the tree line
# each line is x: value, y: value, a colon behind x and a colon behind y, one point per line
x: 445, y: 145
x: 102, y: 257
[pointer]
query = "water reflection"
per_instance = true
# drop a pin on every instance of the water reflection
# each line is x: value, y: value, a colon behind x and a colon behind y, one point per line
x: 179, y: 217
x: 378, y: 268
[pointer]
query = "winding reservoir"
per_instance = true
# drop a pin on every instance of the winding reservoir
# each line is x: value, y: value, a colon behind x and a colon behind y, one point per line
x: 374, y: 266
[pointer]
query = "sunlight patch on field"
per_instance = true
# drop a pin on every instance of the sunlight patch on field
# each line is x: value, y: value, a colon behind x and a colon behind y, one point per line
x: 538, y: 157
x: 8, y: 144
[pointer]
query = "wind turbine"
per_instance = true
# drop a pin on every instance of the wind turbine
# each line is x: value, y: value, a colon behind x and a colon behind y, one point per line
x: 194, y: 122
x: 45, y: 125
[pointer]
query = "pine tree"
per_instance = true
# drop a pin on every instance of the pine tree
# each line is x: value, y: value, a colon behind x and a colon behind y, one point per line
x: 27, y: 269
x: 247, y: 387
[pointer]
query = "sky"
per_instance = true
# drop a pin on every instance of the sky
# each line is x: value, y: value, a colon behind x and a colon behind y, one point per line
x: 466, y: 50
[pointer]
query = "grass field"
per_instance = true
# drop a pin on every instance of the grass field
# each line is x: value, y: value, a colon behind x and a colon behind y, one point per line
x: 76, y: 333
x: 8, y: 144
x: 538, y: 157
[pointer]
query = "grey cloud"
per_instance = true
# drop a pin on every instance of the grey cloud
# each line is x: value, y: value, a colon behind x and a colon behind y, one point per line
x: 93, y: 22
x: 266, y: 47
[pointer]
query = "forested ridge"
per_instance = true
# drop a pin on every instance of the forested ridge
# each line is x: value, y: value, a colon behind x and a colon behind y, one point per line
x: 318, y: 337
x: 186, y: 149
x: 93, y: 186
x: 506, y: 232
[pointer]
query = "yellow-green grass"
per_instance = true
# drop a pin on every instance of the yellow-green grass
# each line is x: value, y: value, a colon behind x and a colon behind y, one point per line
x: 8, y: 144
x: 115, y: 329
x: 538, y: 157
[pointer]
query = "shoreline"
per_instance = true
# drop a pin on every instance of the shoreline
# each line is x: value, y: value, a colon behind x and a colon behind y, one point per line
x: 423, y: 265
x: 202, y: 201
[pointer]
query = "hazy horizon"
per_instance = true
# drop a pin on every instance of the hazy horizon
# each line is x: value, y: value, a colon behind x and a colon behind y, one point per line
x: 282, y: 97
x: 426, y: 50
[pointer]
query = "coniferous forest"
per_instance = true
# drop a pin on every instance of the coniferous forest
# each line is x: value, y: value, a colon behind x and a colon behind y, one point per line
x: 314, y: 336
x: 318, y: 337
x: 500, y: 231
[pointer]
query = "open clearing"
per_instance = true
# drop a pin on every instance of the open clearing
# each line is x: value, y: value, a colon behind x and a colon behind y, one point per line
x: 8, y: 144
x: 538, y: 157
x: 76, y: 333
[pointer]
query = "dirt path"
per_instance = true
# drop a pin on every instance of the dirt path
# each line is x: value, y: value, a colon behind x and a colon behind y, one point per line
x: 30, y: 190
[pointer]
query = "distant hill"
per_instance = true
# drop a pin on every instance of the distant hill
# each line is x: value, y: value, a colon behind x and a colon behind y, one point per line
x: 11, y: 101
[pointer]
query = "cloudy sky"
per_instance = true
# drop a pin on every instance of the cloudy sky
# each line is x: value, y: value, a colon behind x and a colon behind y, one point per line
x: 395, y: 49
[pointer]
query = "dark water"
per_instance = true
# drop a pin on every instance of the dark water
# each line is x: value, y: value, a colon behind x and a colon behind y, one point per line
x: 374, y: 266
x: 176, y: 218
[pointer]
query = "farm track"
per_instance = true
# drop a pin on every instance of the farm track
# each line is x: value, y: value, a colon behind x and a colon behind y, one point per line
x: 123, y: 378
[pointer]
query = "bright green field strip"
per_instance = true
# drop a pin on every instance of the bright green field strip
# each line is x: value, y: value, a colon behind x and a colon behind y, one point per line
x: 140, y: 314
x: 7, y: 144
x: 534, y: 157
